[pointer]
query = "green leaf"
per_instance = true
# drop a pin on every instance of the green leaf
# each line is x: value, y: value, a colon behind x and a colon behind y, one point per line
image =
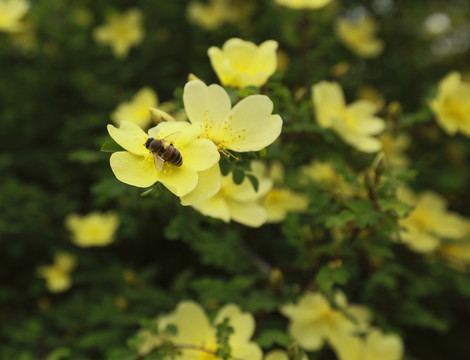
x: 413, y: 314
x: 329, y: 276
x: 225, y: 167
x: 340, y: 219
x: 271, y: 337
x: 111, y: 146
x: 59, y: 353
x: 238, y: 176
x: 400, y: 208
x: 254, y: 181
x: 359, y: 206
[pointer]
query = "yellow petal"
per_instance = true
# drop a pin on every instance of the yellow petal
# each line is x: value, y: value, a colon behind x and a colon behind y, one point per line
x: 208, y: 184
x: 180, y: 180
x: 242, y: 323
x: 206, y: 103
x: 193, y: 325
x: 328, y: 100
x: 383, y: 346
x: 216, y: 207
x: 134, y: 170
x: 247, y: 213
x: 253, y: 122
x: 130, y: 137
x: 200, y: 154
x: 310, y: 336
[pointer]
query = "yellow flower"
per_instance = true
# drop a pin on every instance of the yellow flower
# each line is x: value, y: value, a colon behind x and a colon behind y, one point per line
x: 238, y: 202
x: 94, y: 229
x: 452, y: 104
x: 303, y: 4
x: 279, y: 200
x: 249, y: 126
x: 241, y: 63
x: 359, y: 36
x: 11, y: 12
x: 313, y: 321
x: 457, y: 253
x: 57, y: 275
x: 327, y: 178
x: 354, y: 123
x: 429, y: 222
x: 137, y: 166
x: 137, y: 110
x: 210, y: 15
x: 394, y: 148
x: 196, y: 335
x: 374, y: 346
x: 121, y: 32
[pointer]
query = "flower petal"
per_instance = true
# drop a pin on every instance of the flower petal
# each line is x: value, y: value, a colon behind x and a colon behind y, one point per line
x: 251, y: 124
x: 247, y: 213
x: 130, y: 137
x: 180, y: 180
x: 200, y: 154
x: 204, y: 103
x: 208, y: 184
x: 215, y: 207
x: 133, y: 170
x: 328, y: 99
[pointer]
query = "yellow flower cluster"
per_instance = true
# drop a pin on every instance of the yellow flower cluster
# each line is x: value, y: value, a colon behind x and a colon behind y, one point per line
x: 191, y: 169
x: 121, y: 32
x: 94, y: 229
x: 57, y: 275
x: 313, y: 321
x: 354, y: 123
x: 11, y: 13
x: 429, y: 223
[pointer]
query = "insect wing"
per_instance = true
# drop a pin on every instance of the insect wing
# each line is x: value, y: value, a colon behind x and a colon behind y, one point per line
x: 171, y: 138
x: 158, y: 161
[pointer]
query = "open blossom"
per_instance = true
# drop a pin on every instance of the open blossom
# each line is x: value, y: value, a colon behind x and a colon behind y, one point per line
x: 303, y: 4
x: 94, y: 229
x: 241, y: 63
x: 354, y: 123
x: 11, y: 13
x: 196, y: 334
x: 249, y: 126
x: 121, y: 32
x: 137, y: 110
x: 452, y: 104
x: 457, y: 253
x: 359, y: 35
x: 429, y: 222
x: 136, y: 166
x: 376, y: 345
x: 313, y: 320
x: 57, y: 275
x: 240, y: 203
